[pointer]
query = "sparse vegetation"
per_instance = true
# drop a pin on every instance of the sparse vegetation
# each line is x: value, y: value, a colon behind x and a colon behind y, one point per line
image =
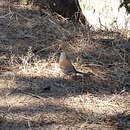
x: 35, y: 94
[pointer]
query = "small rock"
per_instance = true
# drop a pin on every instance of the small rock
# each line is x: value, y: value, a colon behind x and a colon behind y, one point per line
x: 66, y: 8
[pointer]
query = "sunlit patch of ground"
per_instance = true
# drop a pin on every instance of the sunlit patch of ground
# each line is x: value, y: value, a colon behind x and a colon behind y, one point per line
x: 105, y: 106
x: 42, y: 69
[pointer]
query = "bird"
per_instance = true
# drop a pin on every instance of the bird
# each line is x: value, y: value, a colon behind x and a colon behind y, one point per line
x: 67, y: 67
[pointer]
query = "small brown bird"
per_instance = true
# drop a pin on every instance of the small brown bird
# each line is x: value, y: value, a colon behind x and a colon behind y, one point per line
x: 67, y: 67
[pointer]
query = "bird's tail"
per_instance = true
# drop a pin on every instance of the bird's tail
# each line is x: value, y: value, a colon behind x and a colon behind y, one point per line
x: 83, y: 74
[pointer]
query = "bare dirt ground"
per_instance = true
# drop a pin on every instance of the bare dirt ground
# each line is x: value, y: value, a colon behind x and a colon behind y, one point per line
x: 36, y: 95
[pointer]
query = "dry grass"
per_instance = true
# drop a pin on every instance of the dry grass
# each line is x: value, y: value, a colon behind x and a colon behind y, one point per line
x: 35, y: 94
